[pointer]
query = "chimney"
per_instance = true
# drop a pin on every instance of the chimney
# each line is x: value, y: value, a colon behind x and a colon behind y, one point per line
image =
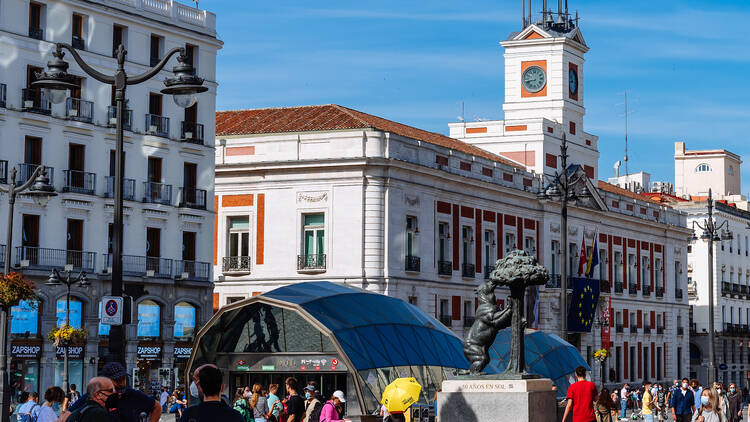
x: 679, y: 148
x: 617, y: 168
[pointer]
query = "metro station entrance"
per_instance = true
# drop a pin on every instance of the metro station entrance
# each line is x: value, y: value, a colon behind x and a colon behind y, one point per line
x: 328, y: 382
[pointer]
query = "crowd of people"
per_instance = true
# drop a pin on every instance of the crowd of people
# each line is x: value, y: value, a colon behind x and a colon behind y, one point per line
x: 108, y: 398
x: 683, y: 401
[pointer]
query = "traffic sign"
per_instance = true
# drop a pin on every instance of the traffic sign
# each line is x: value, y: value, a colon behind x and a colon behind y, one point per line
x: 112, y: 310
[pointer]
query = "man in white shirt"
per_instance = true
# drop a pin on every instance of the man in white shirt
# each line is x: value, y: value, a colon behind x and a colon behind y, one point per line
x: 163, y: 399
x: 624, y: 392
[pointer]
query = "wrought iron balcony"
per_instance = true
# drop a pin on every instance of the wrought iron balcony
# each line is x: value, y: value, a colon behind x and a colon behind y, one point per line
x: 36, y: 33
x: 311, y: 262
x: 618, y: 286
x: 157, y: 125
x: 659, y: 292
x: 77, y: 43
x: 127, y: 122
x: 604, y: 287
x: 468, y: 270
x: 192, y: 198
x: 618, y: 328
x: 742, y: 329
x: 632, y: 289
x: 2, y: 255
x: 728, y: 328
x: 79, y: 182
x: 553, y: 282
x: 3, y: 171
x: 743, y: 289
x: 646, y: 290
x: 142, y: 266
x: 128, y: 188
x: 680, y: 331
x: 35, y: 100
x: 735, y: 288
x: 157, y: 193
x: 26, y: 170
x: 236, y: 264
x: 659, y: 330
x: 646, y: 329
x: 3, y: 94
x: 633, y: 329
x: 446, y: 320
x: 413, y: 263
x: 469, y: 321
x: 192, y: 133
x: 678, y: 294
x: 726, y: 288
x: 80, y: 110
x: 192, y: 270
x: 46, y: 259
x: 445, y: 267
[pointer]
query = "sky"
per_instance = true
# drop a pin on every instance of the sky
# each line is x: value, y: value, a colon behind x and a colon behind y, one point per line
x: 684, y: 64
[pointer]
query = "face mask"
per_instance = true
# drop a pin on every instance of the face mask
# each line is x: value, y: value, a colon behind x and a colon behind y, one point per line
x: 704, y: 400
x: 112, y: 401
x: 684, y: 385
x: 308, y: 395
x: 731, y: 390
x: 659, y: 388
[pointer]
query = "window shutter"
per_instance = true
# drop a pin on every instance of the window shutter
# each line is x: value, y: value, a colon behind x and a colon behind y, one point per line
x: 625, y: 316
x: 639, y: 315
x: 456, y: 308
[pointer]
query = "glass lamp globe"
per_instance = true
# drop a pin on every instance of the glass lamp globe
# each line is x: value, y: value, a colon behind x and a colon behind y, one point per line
x: 184, y: 100
x: 56, y: 96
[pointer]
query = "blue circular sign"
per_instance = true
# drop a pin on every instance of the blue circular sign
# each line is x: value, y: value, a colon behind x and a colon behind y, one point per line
x: 110, y: 308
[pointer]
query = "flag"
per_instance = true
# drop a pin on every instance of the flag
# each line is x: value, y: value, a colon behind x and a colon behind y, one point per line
x: 583, y: 305
x: 593, y: 260
x: 582, y: 258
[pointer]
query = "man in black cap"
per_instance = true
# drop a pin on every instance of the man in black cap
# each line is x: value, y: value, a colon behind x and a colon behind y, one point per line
x: 131, y: 403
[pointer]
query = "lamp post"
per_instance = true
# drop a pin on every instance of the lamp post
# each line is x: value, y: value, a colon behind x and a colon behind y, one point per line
x: 560, y: 190
x: 55, y: 279
x: 712, y: 233
x: 39, y: 188
x: 183, y: 87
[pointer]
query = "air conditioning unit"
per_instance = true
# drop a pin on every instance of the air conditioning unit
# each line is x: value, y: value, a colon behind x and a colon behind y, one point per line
x: 185, y: 276
x: 28, y: 104
x: 113, y: 120
x: 68, y: 267
x: 152, y: 129
x: 150, y: 273
x: 25, y: 263
x: 72, y: 113
x: 188, y: 135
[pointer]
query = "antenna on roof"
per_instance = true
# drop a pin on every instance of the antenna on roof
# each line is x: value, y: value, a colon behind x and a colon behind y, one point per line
x: 523, y: 14
x: 567, y: 17
x: 628, y: 112
x: 530, y: 21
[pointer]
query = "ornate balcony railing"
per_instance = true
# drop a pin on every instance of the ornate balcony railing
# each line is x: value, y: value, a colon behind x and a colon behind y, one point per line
x: 157, y: 125
x: 468, y: 270
x: 26, y: 170
x: 127, y: 122
x: 192, y: 133
x: 632, y: 289
x: 192, y: 270
x: 77, y: 43
x: 79, y: 182
x: 726, y: 288
x: 445, y: 267
x: 446, y: 320
x: 36, y: 33
x: 142, y: 266
x: 35, y: 100
x: 743, y: 289
x: 412, y: 263
x: 680, y: 331
x: 78, y: 109
x: 3, y: 95
x: 646, y: 329
x: 236, y: 264
x: 618, y: 286
x: 678, y: 294
x: 646, y: 290
x: 311, y: 262
x: 46, y: 259
x: 157, y: 193
x: 604, y: 287
x: 192, y: 198
x: 2, y: 255
x: 618, y: 328
x: 735, y: 289
x: 128, y: 188
x: 3, y: 171
x: 469, y: 321
x: 633, y: 329
x: 554, y: 281
x: 659, y: 292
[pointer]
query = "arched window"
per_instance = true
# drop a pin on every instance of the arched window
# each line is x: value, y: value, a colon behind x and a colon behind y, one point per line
x: 25, y: 318
x: 703, y: 167
x: 76, y: 312
x: 149, y: 319
x: 184, y: 320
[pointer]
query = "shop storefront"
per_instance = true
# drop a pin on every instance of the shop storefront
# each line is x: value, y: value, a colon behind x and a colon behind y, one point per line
x: 76, y: 354
x: 24, y: 366
x: 182, y: 352
x: 147, y: 375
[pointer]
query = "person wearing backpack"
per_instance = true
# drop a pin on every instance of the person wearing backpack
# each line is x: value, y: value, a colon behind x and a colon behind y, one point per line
x: 29, y: 411
x: 100, y: 396
x: 313, y: 406
x: 53, y: 395
x: 240, y: 404
x: 71, y: 397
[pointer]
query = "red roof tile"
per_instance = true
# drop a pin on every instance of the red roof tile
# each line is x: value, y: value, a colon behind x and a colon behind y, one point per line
x: 333, y: 117
x: 607, y: 187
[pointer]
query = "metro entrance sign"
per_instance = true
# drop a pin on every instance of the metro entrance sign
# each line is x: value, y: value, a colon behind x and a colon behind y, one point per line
x: 112, y: 310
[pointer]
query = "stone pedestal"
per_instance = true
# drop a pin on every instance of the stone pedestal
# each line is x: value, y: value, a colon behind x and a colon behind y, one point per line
x: 485, y: 399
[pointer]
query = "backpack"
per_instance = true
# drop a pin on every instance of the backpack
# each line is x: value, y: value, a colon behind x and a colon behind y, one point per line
x: 241, y: 407
x: 28, y: 417
x: 315, y: 414
x: 74, y: 396
x: 78, y: 414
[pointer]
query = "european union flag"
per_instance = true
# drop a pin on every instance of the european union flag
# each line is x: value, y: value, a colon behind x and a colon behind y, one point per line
x: 583, y: 304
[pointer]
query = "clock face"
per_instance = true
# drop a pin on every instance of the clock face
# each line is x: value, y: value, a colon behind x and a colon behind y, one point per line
x: 573, y: 82
x: 534, y: 79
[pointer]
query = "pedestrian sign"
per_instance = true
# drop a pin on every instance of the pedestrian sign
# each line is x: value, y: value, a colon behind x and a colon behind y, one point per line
x: 112, y: 310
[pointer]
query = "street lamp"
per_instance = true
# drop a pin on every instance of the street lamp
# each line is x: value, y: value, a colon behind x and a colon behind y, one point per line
x: 561, y: 190
x: 712, y: 233
x: 183, y: 87
x: 37, y: 186
x: 67, y: 280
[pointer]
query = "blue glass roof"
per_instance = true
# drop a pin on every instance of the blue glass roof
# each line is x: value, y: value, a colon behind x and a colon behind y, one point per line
x: 374, y: 330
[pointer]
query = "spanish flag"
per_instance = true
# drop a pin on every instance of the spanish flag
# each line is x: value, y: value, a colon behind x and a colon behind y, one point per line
x: 593, y: 260
x: 582, y: 258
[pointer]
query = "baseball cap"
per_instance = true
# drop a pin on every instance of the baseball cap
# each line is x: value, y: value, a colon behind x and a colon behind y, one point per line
x: 114, y: 371
x: 310, y: 388
x: 339, y: 395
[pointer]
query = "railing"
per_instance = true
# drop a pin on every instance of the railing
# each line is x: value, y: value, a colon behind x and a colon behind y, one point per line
x: 742, y: 328
x: 618, y: 328
x: 235, y: 264
x: 728, y: 328
x: 445, y: 267
x: 735, y: 288
x: 79, y: 182
x: 488, y: 269
x: 618, y: 286
x: 192, y: 133
x: 743, y: 289
x: 632, y: 289
x: 25, y: 171
x: 646, y: 290
x: 2, y: 255
x: 192, y: 198
x: 633, y: 329
x: 469, y: 321
x: 3, y: 94
x: 659, y: 330
x: 446, y: 320
x: 680, y: 331
x: 412, y: 263
x: 646, y: 329
x: 128, y: 188
x: 157, y: 193
x: 192, y: 270
x: 157, y: 125
x: 127, y: 122
x: 3, y: 171
x: 47, y: 259
x: 77, y: 43
x: 678, y: 294
x: 659, y: 292
x: 190, y: 15
x: 80, y: 110
x: 726, y: 288
x: 141, y: 266
x: 554, y: 282
x: 604, y: 286
x: 36, y: 33
x: 468, y: 270
x: 35, y: 100
x: 311, y: 262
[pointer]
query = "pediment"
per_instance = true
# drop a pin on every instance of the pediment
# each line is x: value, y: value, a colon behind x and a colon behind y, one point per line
x: 532, y: 32
x: 577, y: 179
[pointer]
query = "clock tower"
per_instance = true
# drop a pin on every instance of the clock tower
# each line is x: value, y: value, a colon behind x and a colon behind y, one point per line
x: 544, y: 92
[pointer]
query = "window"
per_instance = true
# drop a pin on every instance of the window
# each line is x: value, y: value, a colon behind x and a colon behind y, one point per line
x: 631, y: 269
x: 314, y: 235
x: 489, y: 249
x: 25, y: 318
x: 157, y: 45
x: 234, y: 299
x: 510, y: 242
x: 702, y: 168
x: 149, y: 319
x: 618, y: 267
x: 555, y: 248
x: 657, y: 270
x: 644, y: 271
x: 119, y: 36
x: 77, y: 28
x: 238, y: 236
x: 184, y: 320
x: 529, y: 245
x: 411, y: 231
x: 466, y: 240
x: 730, y: 170
x: 191, y: 52
x: 443, y: 241
x: 37, y: 17
x: 602, y: 264
x: 76, y: 312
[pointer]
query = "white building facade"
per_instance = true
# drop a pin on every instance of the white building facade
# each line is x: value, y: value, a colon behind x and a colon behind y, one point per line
x: 169, y: 163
